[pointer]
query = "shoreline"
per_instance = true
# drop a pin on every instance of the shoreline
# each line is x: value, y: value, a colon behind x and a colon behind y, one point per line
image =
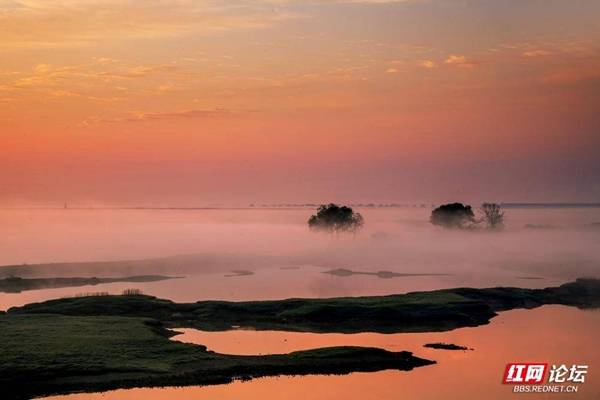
x: 98, y: 343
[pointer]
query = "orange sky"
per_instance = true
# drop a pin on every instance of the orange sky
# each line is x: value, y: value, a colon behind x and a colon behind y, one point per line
x: 199, y: 102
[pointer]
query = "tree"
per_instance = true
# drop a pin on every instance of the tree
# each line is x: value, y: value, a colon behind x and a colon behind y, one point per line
x: 335, y: 219
x: 132, y: 292
x: 492, y: 215
x: 453, y: 216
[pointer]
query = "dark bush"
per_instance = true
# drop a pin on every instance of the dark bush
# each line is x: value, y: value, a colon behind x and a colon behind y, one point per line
x: 453, y: 216
x: 333, y: 218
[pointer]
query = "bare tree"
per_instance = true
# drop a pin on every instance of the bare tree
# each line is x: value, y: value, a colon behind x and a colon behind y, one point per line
x: 492, y: 215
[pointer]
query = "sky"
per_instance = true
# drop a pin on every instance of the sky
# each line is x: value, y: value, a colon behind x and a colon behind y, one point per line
x: 202, y: 102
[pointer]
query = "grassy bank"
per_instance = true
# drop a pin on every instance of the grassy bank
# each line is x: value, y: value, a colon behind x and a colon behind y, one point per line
x: 437, y: 310
x: 53, y: 354
x: 106, y: 342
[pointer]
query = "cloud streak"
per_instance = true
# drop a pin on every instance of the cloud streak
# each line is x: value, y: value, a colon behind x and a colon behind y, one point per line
x: 138, y: 116
x: 41, y: 23
x: 460, y: 61
x: 537, y: 53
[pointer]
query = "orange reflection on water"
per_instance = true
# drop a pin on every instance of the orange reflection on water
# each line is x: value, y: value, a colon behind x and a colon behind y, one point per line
x: 553, y: 334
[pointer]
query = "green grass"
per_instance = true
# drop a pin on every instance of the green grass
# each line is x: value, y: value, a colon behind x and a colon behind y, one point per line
x: 50, y: 354
x: 438, y: 310
x: 105, y: 342
x: 53, y: 343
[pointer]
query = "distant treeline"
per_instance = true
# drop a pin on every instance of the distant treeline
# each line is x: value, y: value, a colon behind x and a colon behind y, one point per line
x: 314, y: 205
x: 427, y: 205
x: 551, y: 205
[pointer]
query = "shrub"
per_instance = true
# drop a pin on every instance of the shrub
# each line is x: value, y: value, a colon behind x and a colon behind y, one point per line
x: 335, y: 219
x: 453, y: 216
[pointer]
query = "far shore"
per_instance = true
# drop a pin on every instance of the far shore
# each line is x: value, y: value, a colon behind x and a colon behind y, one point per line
x: 17, y: 285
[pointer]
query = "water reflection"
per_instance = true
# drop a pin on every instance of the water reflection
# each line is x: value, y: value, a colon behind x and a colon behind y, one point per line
x: 395, y: 240
x: 276, y: 283
x: 554, y: 334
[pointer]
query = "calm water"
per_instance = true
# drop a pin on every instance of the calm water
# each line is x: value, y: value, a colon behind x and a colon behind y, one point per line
x: 561, y: 245
x: 553, y: 334
x: 399, y: 240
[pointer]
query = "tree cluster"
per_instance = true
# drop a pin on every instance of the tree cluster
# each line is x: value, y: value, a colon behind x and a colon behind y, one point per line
x: 461, y: 216
x: 335, y: 219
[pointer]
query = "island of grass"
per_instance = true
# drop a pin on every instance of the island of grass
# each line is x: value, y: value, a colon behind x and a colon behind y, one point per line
x: 343, y: 272
x: 106, y: 342
x: 433, y: 311
x: 15, y: 284
x: 446, y: 346
x: 239, y: 272
x: 50, y: 354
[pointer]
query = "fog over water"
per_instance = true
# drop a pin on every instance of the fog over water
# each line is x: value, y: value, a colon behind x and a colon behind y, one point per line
x: 276, y: 256
x: 538, y: 248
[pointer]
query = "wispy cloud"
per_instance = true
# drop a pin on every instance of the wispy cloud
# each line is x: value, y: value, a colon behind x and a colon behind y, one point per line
x: 186, y: 114
x: 44, y: 75
x: 139, y: 71
x: 536, y: 53
x: 47, y: 75
x: 39, y: 23
x: 460, y: 61
x: 428, y: 64
x: 138, y: 116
